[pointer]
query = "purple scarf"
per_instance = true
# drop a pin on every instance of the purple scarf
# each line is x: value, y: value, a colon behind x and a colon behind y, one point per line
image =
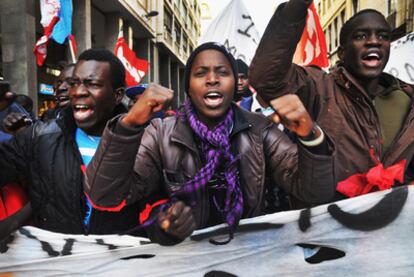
x: 216, y: 150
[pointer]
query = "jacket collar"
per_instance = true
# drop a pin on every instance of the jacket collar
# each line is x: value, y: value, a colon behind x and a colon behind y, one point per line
x: 183, y: 134
x: 346, y: 80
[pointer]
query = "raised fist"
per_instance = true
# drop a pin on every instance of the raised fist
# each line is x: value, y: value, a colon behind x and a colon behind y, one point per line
x: 154, y: 99
x: 291, y: 112
x: 15, y: 122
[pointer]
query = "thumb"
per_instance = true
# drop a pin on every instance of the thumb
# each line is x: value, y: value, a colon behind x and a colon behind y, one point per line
x: 275, y: 118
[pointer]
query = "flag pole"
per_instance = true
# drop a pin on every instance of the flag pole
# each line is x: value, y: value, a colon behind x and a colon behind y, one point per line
x: 72, y: 51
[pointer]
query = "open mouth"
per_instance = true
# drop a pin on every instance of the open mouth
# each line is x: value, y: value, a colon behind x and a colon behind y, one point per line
x: 82, y: 112
x: 213, y: 99
x: 63, y: 99
x: 372, y: 59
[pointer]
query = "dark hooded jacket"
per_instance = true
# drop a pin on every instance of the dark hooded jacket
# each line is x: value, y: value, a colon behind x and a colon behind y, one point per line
x: 168, y: 156
x: 47, y: 157
x: 338, y: 103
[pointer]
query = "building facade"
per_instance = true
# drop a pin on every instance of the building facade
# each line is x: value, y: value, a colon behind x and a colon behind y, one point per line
x: 163, y: 32
x: 333, y: 14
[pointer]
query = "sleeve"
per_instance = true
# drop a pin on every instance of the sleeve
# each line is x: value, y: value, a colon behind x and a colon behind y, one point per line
x: 111, y: 182
x: 15, y: 156
x: 307, y: 176
x: 272, y: 72
x: 126, y: 169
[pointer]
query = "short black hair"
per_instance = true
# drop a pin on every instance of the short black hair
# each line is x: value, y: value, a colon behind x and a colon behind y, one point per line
x: 104, y: 55
x: 348, y: 26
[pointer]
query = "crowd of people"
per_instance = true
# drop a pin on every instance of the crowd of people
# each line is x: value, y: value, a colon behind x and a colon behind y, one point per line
x: 247, y: 141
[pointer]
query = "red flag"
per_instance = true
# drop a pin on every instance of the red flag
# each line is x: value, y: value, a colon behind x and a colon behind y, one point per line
x: 135, y: 68
x: 311, y: 49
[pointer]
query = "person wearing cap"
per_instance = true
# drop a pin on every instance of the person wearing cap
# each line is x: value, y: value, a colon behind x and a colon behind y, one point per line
x: 211, y: 163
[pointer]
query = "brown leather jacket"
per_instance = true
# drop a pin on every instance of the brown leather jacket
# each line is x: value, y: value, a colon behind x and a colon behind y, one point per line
x: 168, y: 156
x: 335, y: 100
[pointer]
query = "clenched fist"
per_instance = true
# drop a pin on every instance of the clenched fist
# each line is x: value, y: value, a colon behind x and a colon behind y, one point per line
x: 153, y: 100
x: 291, y: 112
x: 178, y: 220
x: 15, y: 122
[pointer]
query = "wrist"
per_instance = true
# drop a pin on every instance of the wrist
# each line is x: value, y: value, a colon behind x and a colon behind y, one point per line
x: 315, y: 138
x: 314, y: 133
x: 132, y: 122
x: 127, y: 121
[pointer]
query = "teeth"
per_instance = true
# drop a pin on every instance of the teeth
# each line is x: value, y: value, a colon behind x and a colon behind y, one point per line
x: 213, y: 94
x: 81, y: 107
x: 373, y: 55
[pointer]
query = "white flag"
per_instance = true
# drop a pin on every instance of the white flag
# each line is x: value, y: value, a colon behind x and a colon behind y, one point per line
x: 235, y: 29
x: 369, y: 235
x: 401, y: 62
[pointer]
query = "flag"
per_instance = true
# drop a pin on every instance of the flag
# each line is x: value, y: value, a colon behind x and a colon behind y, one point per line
x: 135, y: 68
x: 235, y: 29
x: 49, y: 10
x: 370, y: 235
x: 311, y: 49
x: 401, y: 61
x: 57, y: 24
x: 63, y: 28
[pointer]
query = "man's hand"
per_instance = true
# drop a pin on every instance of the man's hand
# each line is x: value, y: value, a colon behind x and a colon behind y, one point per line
x: 289, y: 111
x: 178, y: 220
x: 153, y: 100
x: 15, y: 122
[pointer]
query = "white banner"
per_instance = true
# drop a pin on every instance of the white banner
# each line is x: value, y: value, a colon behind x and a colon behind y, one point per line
x: 235, y: 29
x: 371, y: 235
x: 401, y: 62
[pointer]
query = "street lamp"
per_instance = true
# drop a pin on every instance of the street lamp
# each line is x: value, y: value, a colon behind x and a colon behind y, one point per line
x: 150, y: 14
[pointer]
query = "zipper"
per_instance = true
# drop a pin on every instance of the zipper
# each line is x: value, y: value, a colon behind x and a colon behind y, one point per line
x: 79, y: 191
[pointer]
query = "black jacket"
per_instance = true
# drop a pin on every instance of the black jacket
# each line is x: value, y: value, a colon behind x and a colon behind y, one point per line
x: 47, y: 157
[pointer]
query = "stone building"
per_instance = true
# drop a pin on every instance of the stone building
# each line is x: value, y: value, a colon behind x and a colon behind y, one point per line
x: 164, y: 32
x: 333, y: 14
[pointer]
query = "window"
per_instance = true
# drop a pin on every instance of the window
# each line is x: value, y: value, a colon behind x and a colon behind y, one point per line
x: 392, y: 6
x: 167, y: 20
x: 336, y: 28
x: 355, y: 6
x: 167, y: 26
x: 185, y: 44
x: 183, y: 10
x: 177, y: 34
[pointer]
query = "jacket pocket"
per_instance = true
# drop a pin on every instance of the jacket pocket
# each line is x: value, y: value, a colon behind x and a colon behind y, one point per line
x: 174, y: 180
